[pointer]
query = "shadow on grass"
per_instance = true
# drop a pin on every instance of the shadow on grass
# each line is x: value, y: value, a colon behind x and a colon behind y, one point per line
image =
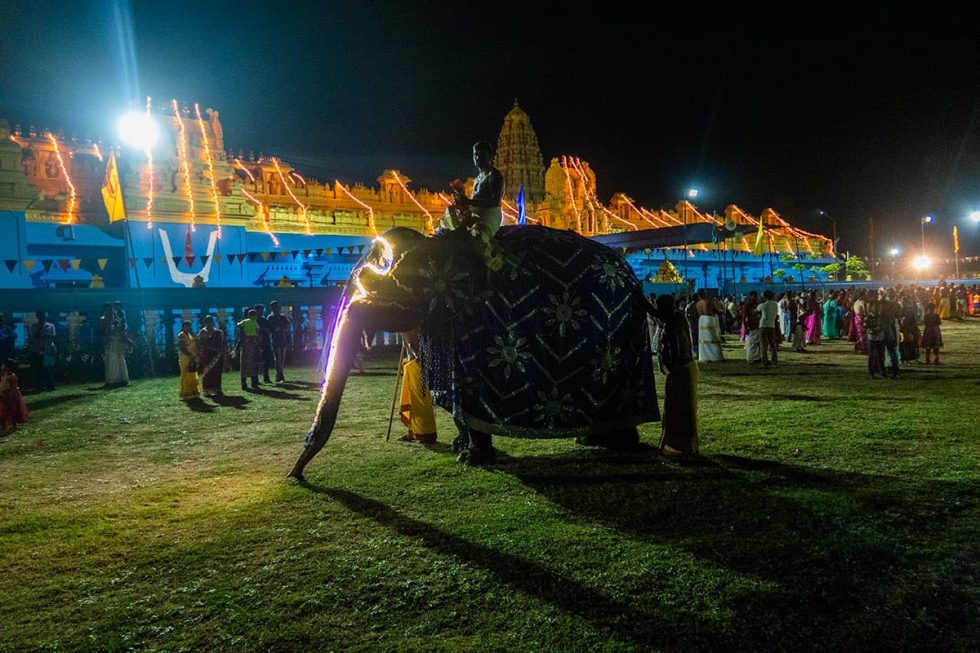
x: 198, y: 405
x: 299, y: 385
x: 627, y: 620
x: 842, y: 557
x: 48, y: 402
x: 231, y: 401
x: 278, y: 394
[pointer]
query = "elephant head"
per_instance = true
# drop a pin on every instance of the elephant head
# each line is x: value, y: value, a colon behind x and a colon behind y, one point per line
x: 552, y: 344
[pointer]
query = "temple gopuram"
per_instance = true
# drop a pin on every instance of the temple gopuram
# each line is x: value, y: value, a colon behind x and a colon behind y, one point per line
x: 196, y: 213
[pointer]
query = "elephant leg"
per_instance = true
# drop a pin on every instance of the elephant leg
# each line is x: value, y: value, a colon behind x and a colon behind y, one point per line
x: 474, y: 447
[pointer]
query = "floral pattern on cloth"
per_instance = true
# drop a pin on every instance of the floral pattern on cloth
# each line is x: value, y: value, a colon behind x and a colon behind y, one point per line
x: 556, y: 346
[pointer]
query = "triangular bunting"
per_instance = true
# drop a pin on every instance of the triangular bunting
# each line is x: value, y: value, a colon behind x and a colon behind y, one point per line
x: 295, y: 253
x: 319, y: 252
x: 190, y: 260
x: 204, y: 260
x: 47, y: 265
x: 306, y: 252
x: 350, y: 249
x: 273, y: 255
x: 132, y: 262
x: 360, y: 249
x: 285, y: 253
x: 148, y: 261
x: 265, y: 256
x: 76, y: 263
x: 11, y: 265
x: 102, y: 262
x: 177, y: 259
x: 217, y: 258
x: 63, y: 263
x: 28, y: 265
x: 251, y: 257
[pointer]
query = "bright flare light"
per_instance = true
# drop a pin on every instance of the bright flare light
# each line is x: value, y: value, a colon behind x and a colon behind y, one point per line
x: 927, y: 219
x: 692, y: 193
x: 975, y: 216
x: 138, y: 129
x: 921, y: 262
x: 895, y: 251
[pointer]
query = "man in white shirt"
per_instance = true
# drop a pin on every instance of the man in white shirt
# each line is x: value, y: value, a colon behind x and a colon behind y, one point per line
x: 768, y: 310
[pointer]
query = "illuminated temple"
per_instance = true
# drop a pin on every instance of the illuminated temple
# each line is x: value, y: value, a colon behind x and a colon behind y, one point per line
x: 194, y: 209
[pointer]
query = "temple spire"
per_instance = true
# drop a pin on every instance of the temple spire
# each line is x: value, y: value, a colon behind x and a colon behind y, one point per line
x: 518, y: 156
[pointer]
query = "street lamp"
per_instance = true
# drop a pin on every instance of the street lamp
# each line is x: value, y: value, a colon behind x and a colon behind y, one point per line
x: 138, y: 130
x: 894, y: 252
x: 834, y: 224
x: 975, y: 216
x: 925, y: 220
x: 692, y: 193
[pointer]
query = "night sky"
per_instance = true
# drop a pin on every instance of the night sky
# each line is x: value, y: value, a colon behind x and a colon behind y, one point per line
x: 860, y: 114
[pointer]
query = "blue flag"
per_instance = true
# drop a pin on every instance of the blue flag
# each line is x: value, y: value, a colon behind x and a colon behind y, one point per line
x: 521, y: 208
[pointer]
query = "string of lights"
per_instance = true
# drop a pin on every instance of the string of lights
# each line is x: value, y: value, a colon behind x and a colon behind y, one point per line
x: 428, y: 216
x: 571, y: 195
x: 210, y: 161
x: 184, y: 164
x: 371, y: 225
x: 150, y: 192
x: 72, y: 197
x: 244, y: 169
x: 264, y: 216
x: 303, y: 213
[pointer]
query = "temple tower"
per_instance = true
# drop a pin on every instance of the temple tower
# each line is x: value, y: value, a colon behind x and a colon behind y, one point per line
x: 518, y: 156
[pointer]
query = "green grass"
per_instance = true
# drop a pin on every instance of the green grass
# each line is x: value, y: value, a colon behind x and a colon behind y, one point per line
x: 129, y: 521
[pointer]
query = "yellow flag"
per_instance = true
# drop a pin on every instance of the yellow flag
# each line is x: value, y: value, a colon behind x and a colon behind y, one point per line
x: 112, y: 191
x: 956, y: 241
x: 757, y: 250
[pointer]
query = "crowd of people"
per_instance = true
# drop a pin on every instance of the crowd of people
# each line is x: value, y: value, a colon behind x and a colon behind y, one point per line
x: 261, y: 343
x: 892, y: 327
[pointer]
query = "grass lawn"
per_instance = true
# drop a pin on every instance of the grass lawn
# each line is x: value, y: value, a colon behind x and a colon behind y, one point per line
x: 829, y: 512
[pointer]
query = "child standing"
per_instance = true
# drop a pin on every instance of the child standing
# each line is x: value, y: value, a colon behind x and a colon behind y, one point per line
x: 932, y: 336
x: 13, y: 409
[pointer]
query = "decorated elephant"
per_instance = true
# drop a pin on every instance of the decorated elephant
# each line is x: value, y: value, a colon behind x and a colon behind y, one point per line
x: 544, y: 336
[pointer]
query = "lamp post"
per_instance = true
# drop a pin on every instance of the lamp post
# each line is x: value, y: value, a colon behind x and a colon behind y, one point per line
x: 925, y: 220
x: 894, y: 252
x: 834, y: 226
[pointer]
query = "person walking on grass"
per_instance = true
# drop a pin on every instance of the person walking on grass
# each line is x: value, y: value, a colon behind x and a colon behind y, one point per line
x: 932, y: 335
x: 249, y: 349
x: 280, y: 328
x: 750, y: 325
x: 768, y: 311
x: 40, y: 343
x: 680, y: 419
x: 187, y: 358
x: 13, y: 408
x: 875, y: 334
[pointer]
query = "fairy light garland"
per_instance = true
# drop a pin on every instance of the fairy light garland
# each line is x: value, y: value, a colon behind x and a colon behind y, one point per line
x: 428, y: 216
x: 571, y: 195
x: 264, y: 216
x: 210, y: 162
x: 242, y: 167
x: 371, y: 225
x: 184, y: 164
x: 98, y: 153
x: 304, y: 213
x: 72, y: 196
x: 150, y: 193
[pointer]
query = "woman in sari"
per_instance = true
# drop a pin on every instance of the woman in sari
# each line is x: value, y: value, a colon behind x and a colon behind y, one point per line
x: 13, y: 408
x: 830, y: 318
x: 187, y: 357
x: 813, y: 320
x: 211, y: 354
x: 909, y: 330
x: 860, y: 337
x: 248, y: 349
x: 680, y: 421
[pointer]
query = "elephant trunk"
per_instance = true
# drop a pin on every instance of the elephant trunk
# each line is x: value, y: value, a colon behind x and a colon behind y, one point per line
x: 344, y: 344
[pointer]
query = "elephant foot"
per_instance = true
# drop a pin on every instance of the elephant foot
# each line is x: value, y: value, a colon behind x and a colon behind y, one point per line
x: 459, y: 444
x: 478, y: 456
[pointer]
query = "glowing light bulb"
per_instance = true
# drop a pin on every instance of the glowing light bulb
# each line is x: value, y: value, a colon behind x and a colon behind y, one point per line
x: 138, y: 129
x: 921, y: 262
